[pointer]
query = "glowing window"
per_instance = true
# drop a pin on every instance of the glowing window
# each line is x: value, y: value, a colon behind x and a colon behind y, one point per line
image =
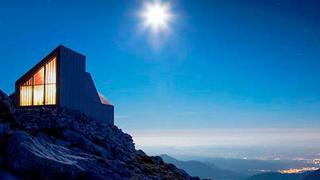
x: 38, y: 95
x: 50, y: 94
x: 38, y: 78
x: 28, y: 83
x: 51, y: 72
x: 26, y: 95
x: 40, y: 89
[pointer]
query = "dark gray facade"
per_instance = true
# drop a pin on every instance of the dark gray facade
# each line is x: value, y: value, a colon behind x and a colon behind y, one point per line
x: 75, y: 86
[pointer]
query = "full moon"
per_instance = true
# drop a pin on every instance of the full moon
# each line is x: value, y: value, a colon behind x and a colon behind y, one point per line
x: 156, y: 16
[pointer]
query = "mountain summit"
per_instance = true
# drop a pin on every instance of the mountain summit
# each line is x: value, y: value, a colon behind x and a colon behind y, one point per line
x: 57, y: 143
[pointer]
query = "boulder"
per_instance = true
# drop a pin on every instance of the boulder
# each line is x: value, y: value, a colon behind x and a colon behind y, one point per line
x: 35, y: 158
x: 78, y: 140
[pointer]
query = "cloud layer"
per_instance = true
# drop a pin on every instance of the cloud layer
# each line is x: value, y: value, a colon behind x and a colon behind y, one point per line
x: 228, y: 137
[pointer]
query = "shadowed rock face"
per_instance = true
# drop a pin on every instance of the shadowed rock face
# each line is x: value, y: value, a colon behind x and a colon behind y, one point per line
x: 313, y: 175
x: 56, y: 143
x: 6, y: 105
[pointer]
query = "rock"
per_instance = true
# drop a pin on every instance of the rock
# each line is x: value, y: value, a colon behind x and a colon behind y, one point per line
x: 36, y: 158
x: 158, y: 160
x: 8, y: 176
x: 4, y: 129
x: 61, y: 142
x: 6, y: 105
x: 79, y: 140
x: 140, y: 153
x: 26, y: 155
x: 156, y: 168
x: 54, y: 120
x: 57, y: 143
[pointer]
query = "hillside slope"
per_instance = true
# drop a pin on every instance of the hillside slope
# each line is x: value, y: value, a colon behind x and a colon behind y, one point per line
x: 56, y: 143
x: 197, y: 168
x: 315, y: 175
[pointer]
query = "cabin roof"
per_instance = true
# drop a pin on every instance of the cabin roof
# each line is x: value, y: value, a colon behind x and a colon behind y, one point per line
x: 33, y: 70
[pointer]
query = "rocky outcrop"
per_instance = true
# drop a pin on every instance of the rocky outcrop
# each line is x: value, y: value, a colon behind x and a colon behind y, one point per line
x: 56, y: 143
x: 6, y: 105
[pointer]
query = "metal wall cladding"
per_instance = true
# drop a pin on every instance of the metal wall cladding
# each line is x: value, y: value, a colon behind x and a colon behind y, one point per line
x: 77, y: 89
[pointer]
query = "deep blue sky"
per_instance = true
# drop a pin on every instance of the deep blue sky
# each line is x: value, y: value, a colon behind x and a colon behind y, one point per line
x: 230, y: 64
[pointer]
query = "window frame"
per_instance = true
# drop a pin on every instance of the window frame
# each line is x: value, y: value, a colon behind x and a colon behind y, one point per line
x: 30, y: 75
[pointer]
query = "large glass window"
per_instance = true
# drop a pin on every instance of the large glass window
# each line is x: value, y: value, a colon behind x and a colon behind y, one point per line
x: 38, y: 95
x: 38, y: 78
x: 26, y: 95
x: 50, y: 94
x: 50, y: 86
x: 41, y: 88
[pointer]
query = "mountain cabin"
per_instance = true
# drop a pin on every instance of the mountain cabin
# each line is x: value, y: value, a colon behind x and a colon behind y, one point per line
x: 60, y: 79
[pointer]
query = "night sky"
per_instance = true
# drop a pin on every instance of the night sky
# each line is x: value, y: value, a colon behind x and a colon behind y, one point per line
x: 222, y: 64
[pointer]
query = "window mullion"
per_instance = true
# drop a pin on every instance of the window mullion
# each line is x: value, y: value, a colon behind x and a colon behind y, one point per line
x: 44, y: 86
x: 32, y: 85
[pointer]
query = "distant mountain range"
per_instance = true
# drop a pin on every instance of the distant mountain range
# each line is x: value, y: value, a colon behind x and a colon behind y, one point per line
x: 204, y: 170
x: 229, y: 169
x: 252, y: 167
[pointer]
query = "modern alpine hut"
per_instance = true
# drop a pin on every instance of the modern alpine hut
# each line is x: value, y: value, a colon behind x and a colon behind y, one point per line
x: 60, y: 79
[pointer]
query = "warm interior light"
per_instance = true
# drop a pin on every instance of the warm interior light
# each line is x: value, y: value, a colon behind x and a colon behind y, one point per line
x: 38, y: 95
x: 40, y: 89
x: 26, y: 96
x: 51, y: 87
x: 38, y: 78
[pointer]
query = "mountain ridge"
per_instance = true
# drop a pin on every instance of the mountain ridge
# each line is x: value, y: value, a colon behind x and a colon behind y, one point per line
x: 203, y: 170
x: 57, y: 143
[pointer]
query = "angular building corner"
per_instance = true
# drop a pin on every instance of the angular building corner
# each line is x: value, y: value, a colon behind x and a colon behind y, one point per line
x: 60, y: 79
